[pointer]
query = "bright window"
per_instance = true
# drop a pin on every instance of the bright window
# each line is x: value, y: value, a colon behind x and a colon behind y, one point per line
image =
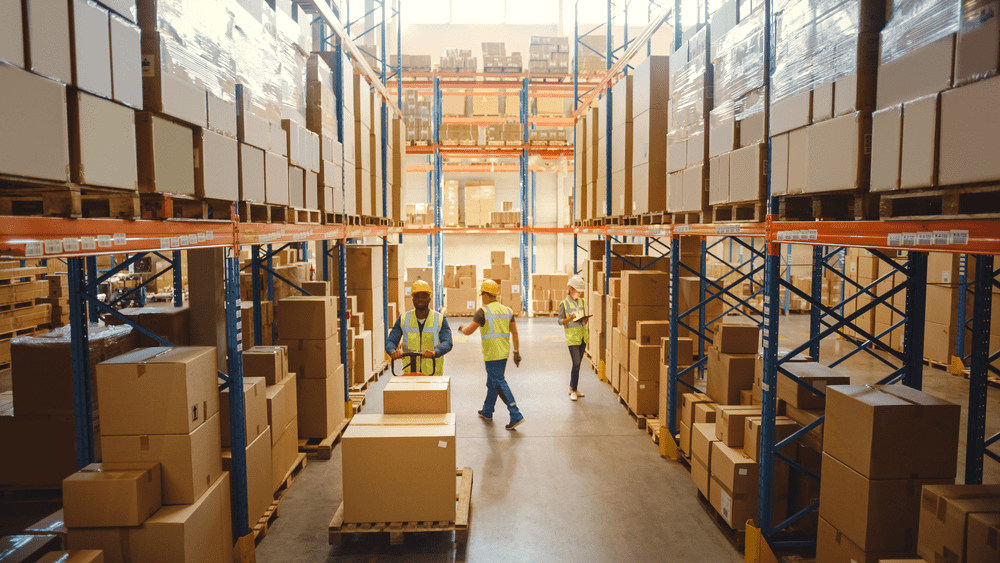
x: 477, y: 11
x: 426, y: 11
x: 533, y: 11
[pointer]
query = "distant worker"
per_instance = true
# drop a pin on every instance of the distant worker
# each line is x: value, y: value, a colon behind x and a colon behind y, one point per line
x: 573, y: 317
x: 427, y: 332
x: 496, y: 327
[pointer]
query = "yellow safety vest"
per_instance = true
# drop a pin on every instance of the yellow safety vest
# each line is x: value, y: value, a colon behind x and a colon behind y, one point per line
x: 576, y: 333
x: 496, y: 332
x: 429, y: 339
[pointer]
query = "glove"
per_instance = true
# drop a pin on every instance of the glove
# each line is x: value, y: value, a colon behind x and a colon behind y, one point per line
x: 517, y: 359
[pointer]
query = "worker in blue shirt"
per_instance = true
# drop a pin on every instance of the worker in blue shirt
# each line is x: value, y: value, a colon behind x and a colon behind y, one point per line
x: 427, y: 332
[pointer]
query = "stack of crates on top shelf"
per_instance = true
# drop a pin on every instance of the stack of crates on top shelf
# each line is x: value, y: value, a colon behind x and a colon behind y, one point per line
x: 688, y: 137
x: 457, y: 60
x: 548, y: 136
x: 650, y: 109
x: 496, y: 59
x: 321, y: 120
x: 736, y: 123
x: 464, y: 135
x: 621, y: 146
x: 422, y: 214
x: 412, y: 63
x: 548, y: 55
x: 822, y: 98
x: 366, y: 197
x: 24, y: 305
x: 417, y: 115
x: 933, y: 127
x: 590, y: 56
x: 480, y: 201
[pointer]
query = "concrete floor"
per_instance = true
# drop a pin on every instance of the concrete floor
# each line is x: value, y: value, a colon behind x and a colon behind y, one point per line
x: 575, y: 482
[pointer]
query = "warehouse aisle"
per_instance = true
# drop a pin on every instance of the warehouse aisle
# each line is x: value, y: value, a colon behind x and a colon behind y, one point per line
x: 575, y: 482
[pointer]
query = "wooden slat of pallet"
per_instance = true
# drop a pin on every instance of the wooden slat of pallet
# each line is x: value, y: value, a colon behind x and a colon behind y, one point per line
x: 300, y: 463
x: 736, y: 537
x: 266, y: 521
x: 182, y: 206
x: 960, y: 202
x: 397, y: 530
x: 653, y: 429
x: 28, y: 197
x: 323, y: 449
x: 749, y: 212
x: 847, y: 206
x: 299, y: 216
x: 640, y: 420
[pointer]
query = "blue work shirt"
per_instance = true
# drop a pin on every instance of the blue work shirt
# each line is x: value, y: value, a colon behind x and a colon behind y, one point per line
x: 444, y: 337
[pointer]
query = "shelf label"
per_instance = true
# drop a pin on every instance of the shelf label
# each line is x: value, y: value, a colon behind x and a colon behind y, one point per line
x: 210, y: 235
x: 120, y: 239
x: 727, y: 229
x: 895, y: 239
x: 941, y: 237
x: 34, y: 249
x: 781, y: 236
x: 71, y: 245
x: 909, y: 239
x: 683, y: 229
x: 104, y: 241
x: 201, y: 237
x: 165, y: 242
x: 813, y: 234
x: 53, y: 246
x: 185, y: 240
x: 175, y: 242
x: 959, y: 237
x: 925, y: 239
x: 88, y: 243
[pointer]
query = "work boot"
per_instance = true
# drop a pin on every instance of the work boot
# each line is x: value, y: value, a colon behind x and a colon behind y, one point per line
x: 484, y: 417
x: 513, y: 424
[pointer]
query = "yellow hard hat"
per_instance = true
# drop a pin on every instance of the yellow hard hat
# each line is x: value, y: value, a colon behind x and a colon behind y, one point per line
x: 491, y: 287
x: 420, y: 286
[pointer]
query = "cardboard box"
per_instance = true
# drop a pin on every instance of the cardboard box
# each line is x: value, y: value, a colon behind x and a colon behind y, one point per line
x: 643, y: 395
x: 919, y: 157
x: 158, y: 391
x: 927, y: 70
x: 731, y: 422
x: 254, y: 406
x: 685, y: 351
x: 91, y: 35
x: 260, y: 495
x: 798, y: 151
x: 833, y: 546
x: 313, y: 358
x: 783, y: 428
x: 884, y: 432
x: 804, y: 417
x: 282, y: 403
x: 189, y: 462
x: 419, y: 457
x: 103, y: 142
x: 705, y: 413
x: 702, y: 437
x: 839, y: 157
x: 944, y: 518
x: 812, y: 373
x: 887, y: 137
x: 791, y: 113
x: 982, y: 530
x: 275, y: 178
x: 12, y: 36
x: 688, y: 403
x: 417, y: 395
x: 251, y: 163
x: 643, y: 361
x: 646, y: 289
x: 95, y: 497
x: 199, y: 532
x: 737, y: 338
x: 631, y: 315
x: 857, y: 506
x: 684, y: 443
x: 217, y: 172
x: 284, y: 453
x: 165, y: 155
x: 320, y: 405
x: 734, y: 485
x: 728, y: 374
x: 746, y: 173
x: 32, y: 103
x: 269, y: 362
x: 965, y: 115
x: 304, y: 318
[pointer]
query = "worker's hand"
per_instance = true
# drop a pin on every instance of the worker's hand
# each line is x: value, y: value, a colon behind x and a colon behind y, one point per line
x: 517, y: 359
x: 429, y: 353
x: 461, y: 329
x: 396, y: 355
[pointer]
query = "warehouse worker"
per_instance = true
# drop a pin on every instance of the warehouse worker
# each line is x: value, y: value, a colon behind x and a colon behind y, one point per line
x: 496, y: 327
x: 427, y: 332
x: 571, y: 316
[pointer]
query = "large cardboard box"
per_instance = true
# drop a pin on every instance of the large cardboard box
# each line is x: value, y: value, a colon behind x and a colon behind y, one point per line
x: 284, y: 453
x: 983, y: 528
x: 313, y: 358
x: 728, y: 374
x: 189, y: 462
x: 731, y: 422
x: 254, y: 410
x: 416, y: 480
x: 944, y: 518
x: 783, y: 428
x: 461, y: 301
x: 702, y: 437
x: 417, y: 395
x: 46, y: 446
x: 251, y: 163
x: 198, y: 532
x: 95, y: 497
x: 320, y: 405
x: 643, y: 361
x: 165, y: 92
x: 858, y: 507
x: 282, y: 404
x: 833, y: 546
x: 158, y: 391
x: 165, y: 155
x: 303, y: 317
x: 631, y: 315
x: 923, y: 71
x: 838, y: 157
x: 738, y: 338
x: 966, y: 115
x: 217, y: 170
x: 643, y: 395
x: 276, y: 178
x: 884, y: 432
x: 645, y: 289
x: 812, y: 373
x: 103, y: 142
x: 269, y: 362
x: 91, y: 33
x: 260, y: 494
x: 35, y: 105
x: 734, y: 485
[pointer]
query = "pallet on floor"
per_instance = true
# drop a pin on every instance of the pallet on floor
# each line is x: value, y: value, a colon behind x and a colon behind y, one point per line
x: 323, y: 448
x: 640, y: 419
x: 26, y: 198
x: 738, y: 538
x: 958, y: 202
x: 653, y: 429
x: 266, y: 520
x: 357, y: 401
x: 182, y: 206
x: 397, y: 530
x: 747, y: 212
x: 300, y: 463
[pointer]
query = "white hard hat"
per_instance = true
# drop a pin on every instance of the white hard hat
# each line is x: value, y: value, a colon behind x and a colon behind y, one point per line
x: 577, y: 283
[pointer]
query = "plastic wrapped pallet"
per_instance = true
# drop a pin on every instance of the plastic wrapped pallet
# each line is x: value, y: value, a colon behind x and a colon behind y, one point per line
x: 691, y: 101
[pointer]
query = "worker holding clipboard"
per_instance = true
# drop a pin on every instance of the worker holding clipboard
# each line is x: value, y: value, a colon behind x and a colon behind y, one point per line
x: 573, y: 317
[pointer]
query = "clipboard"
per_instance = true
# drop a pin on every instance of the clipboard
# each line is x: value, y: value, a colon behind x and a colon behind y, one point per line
x: 583, y: 318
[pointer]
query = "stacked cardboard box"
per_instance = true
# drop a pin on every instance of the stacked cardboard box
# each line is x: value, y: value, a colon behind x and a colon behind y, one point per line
x: 182, y: 436
x: 548, y: 55
x: 461, y: 289
x: 322, y: 120
x: 547, y: 136
x: 897, y: 425
x: 496, y: 59
x: 412, y: 63
x: 364, y: 147
x: 505, y: 134
x: 457, y: 60
x: 547, y: 291
x: 281, y: 392
x: 58, y: 298
x: 957, y: 522
x: 309, y: 330
x: 480, y: 201
x: 621, y: 147
x: 581, y: 170
x: 688, y: 137
x: 257, y: 449
x: 631, y: 301
x: 417, y: 116
x: 650, y: 112
x: 736, y: 123
x: 365, y: 283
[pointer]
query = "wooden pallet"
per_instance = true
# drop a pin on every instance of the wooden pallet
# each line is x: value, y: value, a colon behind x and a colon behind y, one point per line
x: 653, y: 429
x: 339, y: 530
x: 180, y: 206
x: 960, y: 202
x: 654, y: 218
x: 323, y: 449
x: 357, y: 401
x: 299, y: 216
x: 848, y: 206
x: 266, y: 521
x: 640, y: 419
x: 737, y: 538
x: 503, y: 226
x: 253, y: 212
x: 687, y: 218
x: 750, y: 212
x: 300, y: 463
x: 332, y: 218
x: 26, y: 198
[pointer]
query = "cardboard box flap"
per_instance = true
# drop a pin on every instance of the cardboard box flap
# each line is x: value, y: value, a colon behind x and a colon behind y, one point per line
x: 403, y: 419
x: 401, y: 431
x: 162, y: 355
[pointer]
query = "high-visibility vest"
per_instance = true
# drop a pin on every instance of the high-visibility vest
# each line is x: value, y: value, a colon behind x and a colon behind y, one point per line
x: 496, y: 332
x: 576, y: 333
x: 429, y: 339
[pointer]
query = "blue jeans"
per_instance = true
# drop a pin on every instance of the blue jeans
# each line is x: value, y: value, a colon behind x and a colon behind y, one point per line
x: 496, y: 385
x: 576, y: 353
